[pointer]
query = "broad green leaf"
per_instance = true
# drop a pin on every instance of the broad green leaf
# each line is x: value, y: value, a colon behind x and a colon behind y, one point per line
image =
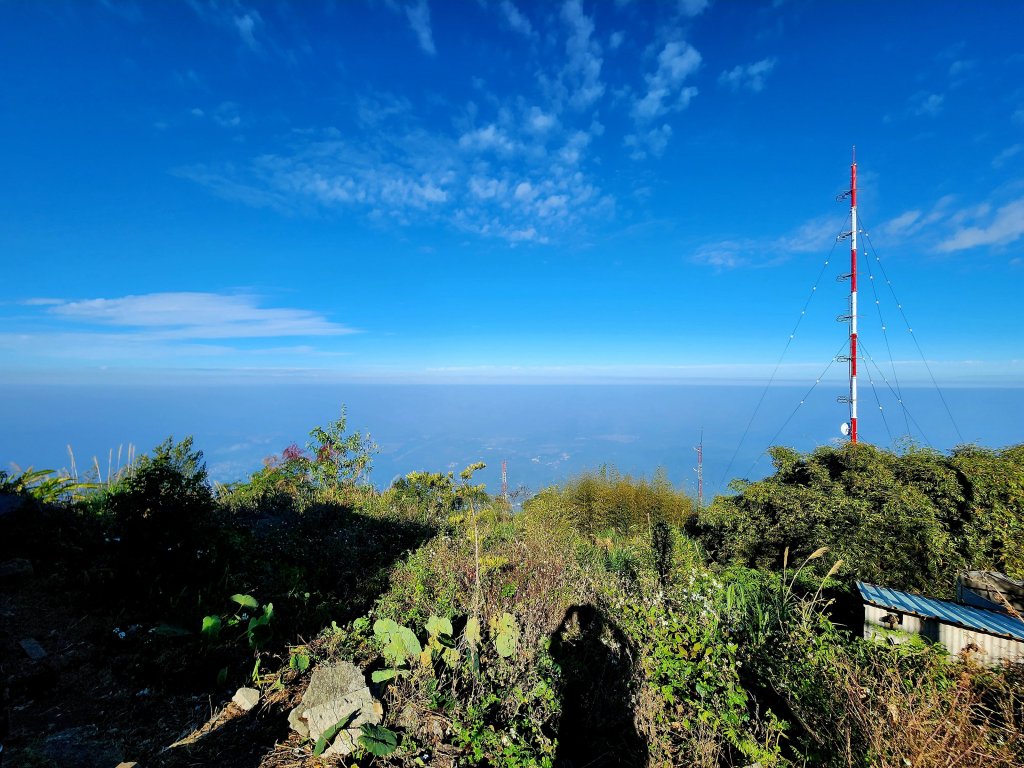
x: 384, y: 628
x: 378, y: 740
x: 437, y: 626
x: 507, y: 637
x: 246, y: 601
x: 451, y: 657
x: 211, y: 626
x: 412, y: 645
x: 383, y: 675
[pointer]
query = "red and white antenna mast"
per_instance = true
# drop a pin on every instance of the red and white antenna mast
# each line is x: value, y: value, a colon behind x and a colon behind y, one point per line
x: 853, y: 298
x: 851, y: 428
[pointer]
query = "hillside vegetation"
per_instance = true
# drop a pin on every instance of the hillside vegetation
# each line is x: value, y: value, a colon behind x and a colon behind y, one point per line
x: 606, y: 623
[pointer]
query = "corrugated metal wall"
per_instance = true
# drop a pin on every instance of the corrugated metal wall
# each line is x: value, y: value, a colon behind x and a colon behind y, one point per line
x: 991, y: 649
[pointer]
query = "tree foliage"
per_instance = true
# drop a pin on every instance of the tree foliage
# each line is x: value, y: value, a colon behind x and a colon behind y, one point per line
x: 607, y: 500
x: 910, y: 520
x: 332, y: 465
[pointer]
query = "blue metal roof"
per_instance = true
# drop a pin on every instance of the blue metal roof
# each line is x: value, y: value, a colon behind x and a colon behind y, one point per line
x: 965, y: 616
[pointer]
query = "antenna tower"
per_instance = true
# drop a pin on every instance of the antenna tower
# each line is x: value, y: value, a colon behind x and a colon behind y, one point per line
x: 504, y: 480
x: 852, y: 317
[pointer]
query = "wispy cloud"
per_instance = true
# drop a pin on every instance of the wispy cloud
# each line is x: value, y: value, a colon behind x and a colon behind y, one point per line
x: 418, y: 15
x: 816, y: 235
x: 666, y: 92
x: 247, y: 22
x: 582, y: 72
x: 520, y: 178
x: 1007, y: 154
x: 653, y: 142
x: 1004, y: 226
x: 222, y: 330
x: 520, y: 166
x: 748, y: 76
x: 693, y: 7
x: 515, y: 19
x: 924, y: 104
x: 193, y: 315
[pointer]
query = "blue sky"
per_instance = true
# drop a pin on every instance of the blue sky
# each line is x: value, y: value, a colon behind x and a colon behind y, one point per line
x: 505, y: 191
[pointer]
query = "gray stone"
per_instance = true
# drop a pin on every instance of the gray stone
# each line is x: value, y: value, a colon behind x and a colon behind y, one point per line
x: 336, y: 692
x: 297, y: 723
x: 32, y: 649
x: 15, y: 569
x: 246, y: 698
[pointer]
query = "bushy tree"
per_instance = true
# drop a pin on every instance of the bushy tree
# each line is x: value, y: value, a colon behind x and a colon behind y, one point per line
x: 608, y: 500
x: 163, y: 518
x: 911, y: 520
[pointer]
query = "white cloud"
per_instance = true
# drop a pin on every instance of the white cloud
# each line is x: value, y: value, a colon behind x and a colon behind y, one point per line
x: 665, y: 90
x: 525, y: 192
x: 808, y: 237
x: 749, y: 76
x: 226, y: 115
x: 1005, y: 226
x: 727, y: 254
x: 693, y: 7
x: 1010, y: 152
x: 501, y: 182
x: 419, y: 20
x: 246, y: 24
x: 572, y: 152
x: 925, y: 104
x: 653, y: 142
x: 816, y: 235
x: 517, y: 22
x: 488, y: 138
x: 583, y: 65
x: 195, y: 315
x: 904, y: 224
x: 539, y: 121
x: 487, y: 188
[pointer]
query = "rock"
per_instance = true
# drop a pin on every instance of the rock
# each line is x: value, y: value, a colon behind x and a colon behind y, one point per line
x: 32, y: 649
x: 336, y: 692
x: 246, y: 698
x: 15, y: 569
x: 297, y: 723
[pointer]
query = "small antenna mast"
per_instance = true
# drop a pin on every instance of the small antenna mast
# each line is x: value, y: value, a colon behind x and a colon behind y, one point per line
x: 504, y: 481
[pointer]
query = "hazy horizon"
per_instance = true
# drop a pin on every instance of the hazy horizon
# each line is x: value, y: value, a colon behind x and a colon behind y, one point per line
x: 547, y: 433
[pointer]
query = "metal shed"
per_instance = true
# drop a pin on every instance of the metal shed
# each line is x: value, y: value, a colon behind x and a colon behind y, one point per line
x: 997, y: 637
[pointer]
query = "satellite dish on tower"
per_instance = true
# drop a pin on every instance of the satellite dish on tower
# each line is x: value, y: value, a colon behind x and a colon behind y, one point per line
x: 845, y: 429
